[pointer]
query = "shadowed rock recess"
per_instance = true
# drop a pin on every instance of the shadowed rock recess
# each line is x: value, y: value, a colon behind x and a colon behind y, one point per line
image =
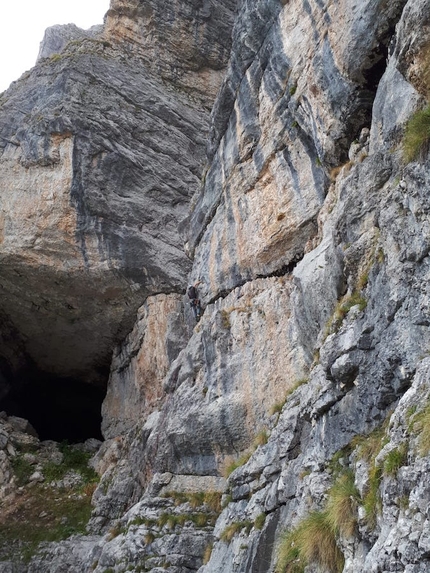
x: 259, y: 147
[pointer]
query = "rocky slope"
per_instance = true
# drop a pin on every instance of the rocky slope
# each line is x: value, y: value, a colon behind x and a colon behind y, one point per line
x: 288, y: 431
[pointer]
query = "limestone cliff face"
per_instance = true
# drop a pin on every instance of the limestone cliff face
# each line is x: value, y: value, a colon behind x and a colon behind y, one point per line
x: 99, y: 158
x: 309, y: 368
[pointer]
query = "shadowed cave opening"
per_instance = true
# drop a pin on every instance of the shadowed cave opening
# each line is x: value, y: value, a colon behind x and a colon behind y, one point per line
x: 59, y: 409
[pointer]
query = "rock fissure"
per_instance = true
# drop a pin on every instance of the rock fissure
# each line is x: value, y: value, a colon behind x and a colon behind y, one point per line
x: 283, y: 271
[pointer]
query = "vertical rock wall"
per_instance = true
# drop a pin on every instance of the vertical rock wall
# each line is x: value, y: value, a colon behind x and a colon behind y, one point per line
x: 309, y: 366
x: 99, y: 157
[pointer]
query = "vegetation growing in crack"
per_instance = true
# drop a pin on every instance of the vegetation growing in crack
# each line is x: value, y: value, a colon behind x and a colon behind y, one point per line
x: 207, y: 554
x: 236, y: 527
x: 368, y: 448
x: 313, y: 541
x: 419, y: 424
x: 342, y: 308
x: 395, y: 459
x: 342, y: 503
x: 259, y: 440
x: 212, y: 499
x: 417, y: 135
x: 237, y: 463
x: 278, y: 406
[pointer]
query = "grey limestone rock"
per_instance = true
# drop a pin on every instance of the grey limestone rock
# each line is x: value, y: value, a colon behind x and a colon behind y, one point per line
x: 313, y: 345
x: 56, y: 38
x: 99, y: 157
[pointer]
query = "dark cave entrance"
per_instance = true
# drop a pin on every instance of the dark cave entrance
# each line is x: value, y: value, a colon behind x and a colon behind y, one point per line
x: 59, y: 409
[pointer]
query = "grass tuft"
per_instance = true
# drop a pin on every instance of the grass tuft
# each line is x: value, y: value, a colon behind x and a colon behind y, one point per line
x: 241, y: 461
x: 235, y: 527
x: 207, y: 554
x: 343, y: 498
x: 261, y: 439
x: 372, y: 498
x: 313, y: 541
x: 259, y: 521
x: 419, y: 423
x: 395, y: 459
x: 342, y: 309
x: 417, y: 134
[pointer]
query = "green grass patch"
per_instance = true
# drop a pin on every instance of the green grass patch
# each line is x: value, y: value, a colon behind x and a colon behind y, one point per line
x: 65, y: 514
x: 259, y: 521
x: 417, y: 134
x: 395, y: 459
x: 73, y: 459
x: 22, y: 470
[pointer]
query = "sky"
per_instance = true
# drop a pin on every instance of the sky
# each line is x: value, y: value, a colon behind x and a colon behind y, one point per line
x: 23, y: 23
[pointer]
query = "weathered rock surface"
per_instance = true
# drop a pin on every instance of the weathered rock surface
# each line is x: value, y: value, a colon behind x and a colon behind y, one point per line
x: 57, y: 37
x: 99, y: 158
x: 315, y: 286
x: 135, y: 386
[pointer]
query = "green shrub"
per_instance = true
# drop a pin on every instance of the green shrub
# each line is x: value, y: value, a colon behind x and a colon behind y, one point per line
x: 417, y: 134
x: 313, y: 541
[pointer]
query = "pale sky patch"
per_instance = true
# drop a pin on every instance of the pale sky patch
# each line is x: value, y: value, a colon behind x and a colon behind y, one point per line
x: 23, y: 23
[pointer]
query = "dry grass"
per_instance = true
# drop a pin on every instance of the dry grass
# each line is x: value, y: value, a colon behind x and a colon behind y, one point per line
x: 235, y: 527
x: 342, y: 504
x: 207, y: 554
x: 312, y: 542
